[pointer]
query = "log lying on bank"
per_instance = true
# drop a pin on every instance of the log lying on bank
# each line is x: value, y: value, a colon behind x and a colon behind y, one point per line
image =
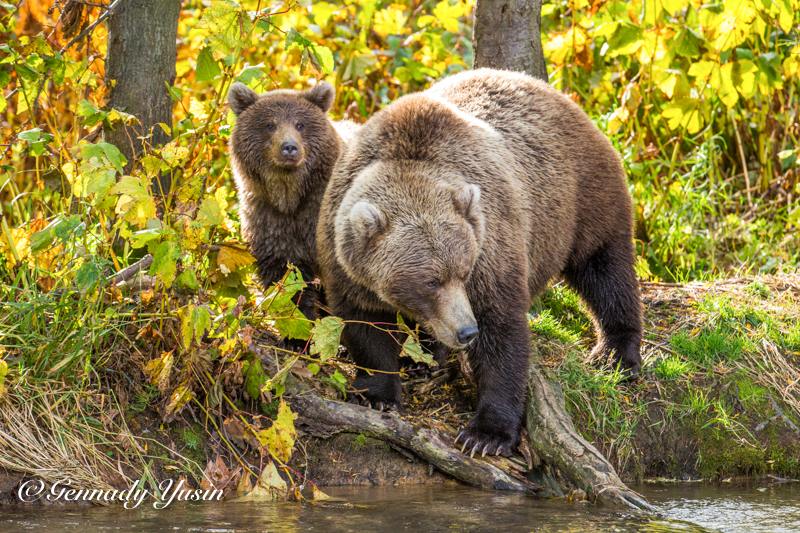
x: 551, y: 435
x: 321, y: 417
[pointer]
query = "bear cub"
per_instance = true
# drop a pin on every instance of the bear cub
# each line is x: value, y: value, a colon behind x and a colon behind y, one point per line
x: 282, y: 151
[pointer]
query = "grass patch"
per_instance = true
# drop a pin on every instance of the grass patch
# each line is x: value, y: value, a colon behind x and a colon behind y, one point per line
x: 567, y: 307
x: 671, y: 368
x: 548, y: 326
x: 709, y: 346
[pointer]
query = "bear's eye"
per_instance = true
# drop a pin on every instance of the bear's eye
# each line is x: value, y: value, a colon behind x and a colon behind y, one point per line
x: 433, y: 284
x: 269, y: 126
x: 299, y: 126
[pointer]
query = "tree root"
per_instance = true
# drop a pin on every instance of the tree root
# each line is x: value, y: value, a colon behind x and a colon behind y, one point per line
x: 553, y: 437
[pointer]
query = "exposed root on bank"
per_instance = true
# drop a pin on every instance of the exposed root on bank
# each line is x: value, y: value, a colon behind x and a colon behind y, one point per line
x: 553, y: 437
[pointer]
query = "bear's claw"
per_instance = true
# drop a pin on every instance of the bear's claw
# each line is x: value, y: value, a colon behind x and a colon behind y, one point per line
x: 493, y: 445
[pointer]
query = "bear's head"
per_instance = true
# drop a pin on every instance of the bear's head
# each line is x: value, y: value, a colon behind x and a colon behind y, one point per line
x: 412, y: 234
x: 280, y: 139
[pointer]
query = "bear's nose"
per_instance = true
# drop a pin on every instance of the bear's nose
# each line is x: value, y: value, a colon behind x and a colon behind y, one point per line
x: 465, y: 335
x: 289, y: 149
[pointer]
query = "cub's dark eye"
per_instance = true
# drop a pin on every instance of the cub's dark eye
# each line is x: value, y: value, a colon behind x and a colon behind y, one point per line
x: 299, y: 126
x: 269, y: 126
x: 432, y: 284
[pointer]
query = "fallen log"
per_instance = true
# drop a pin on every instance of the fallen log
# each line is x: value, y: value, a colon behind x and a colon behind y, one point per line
x: 550, y: 432
x: 321, y: 416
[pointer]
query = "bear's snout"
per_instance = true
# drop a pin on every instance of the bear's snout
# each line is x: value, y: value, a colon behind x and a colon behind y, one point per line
x: 287, y: 147
x: 467, y: 334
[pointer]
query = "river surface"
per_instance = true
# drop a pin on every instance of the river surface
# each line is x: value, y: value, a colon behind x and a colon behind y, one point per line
x: 682, y: 507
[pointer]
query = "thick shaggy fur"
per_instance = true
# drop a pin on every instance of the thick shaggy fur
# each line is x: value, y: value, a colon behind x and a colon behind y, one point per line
x: 279, y: 198
x: 455, y: 206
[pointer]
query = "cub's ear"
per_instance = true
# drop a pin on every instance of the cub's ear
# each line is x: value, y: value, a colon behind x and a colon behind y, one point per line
x: 367, y: 220
x: 321, y: 95
x: 240, y: 97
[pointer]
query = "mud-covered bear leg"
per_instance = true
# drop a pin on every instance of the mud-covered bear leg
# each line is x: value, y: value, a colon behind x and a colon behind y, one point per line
x: 499, y: 360
x: 607, y: 282
x: 373, y: 348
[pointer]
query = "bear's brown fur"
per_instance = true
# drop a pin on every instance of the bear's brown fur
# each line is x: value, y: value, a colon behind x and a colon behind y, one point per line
x: 455, y: 206
x: 282, y: 152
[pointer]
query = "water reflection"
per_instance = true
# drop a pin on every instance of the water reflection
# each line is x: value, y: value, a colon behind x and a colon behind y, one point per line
x: 451, y: 508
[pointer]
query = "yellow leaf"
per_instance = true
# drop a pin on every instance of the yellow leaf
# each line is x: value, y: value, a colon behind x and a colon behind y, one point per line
x: 158, y: 370
x: 674, y: 6
x: 3, y: 373
x: 231, y: 258
x: 667, y: 85
x: 322, y: 11
x: 280, y: 436
x: 744, y: 77
x: 727, y: 91
x: 448, y: 14
x: 269, y: 487
x: 178, y: 399
x: 391, y: 21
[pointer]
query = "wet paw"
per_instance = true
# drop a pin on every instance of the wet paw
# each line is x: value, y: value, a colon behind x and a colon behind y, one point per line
x: 474, y: 440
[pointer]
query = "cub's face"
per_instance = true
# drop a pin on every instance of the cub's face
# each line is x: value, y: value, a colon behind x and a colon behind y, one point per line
x: 280, y: 134
x: 414, y: 242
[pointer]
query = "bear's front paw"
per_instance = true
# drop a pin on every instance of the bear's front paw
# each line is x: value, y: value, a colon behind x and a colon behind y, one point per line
x: 474, y: 439
x: 379, y: 391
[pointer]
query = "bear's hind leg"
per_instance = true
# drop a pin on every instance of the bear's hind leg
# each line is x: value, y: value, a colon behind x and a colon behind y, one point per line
x: 607, y: 282
x: 371, y: 347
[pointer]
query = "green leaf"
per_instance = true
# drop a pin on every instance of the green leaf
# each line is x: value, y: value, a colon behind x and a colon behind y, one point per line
x: 207, y: 66
x: 187, y: 280
x: 325, y: 337
x: 411, y: 346
x: 37, y: 140
x: 165, y: 258
x: 90, y: 114
x: 339, y: 381
x: 254, y: 379
x: 209, y: 213
x: 59, y: 228
x: 104, y: 151
x: 89, y: 275
x: 324, y: 57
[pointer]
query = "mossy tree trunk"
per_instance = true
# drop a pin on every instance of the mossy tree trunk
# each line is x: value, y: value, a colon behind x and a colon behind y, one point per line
x: 140, y: 67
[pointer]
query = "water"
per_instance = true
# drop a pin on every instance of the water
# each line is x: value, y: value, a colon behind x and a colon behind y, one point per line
x: 426, y: 509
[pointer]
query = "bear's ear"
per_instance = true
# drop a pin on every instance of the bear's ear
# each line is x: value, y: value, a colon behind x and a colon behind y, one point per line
x: 321, y: 95
x: 367, y: 220
x: 467, y: 200
x: 240, y: 97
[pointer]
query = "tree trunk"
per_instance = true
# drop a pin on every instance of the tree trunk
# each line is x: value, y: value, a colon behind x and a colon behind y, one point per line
x: 507, y: 35
x: 140, y: 66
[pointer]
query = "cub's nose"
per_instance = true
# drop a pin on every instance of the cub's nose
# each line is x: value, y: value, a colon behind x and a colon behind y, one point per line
x: 289, y: 149
x: 465, y: 335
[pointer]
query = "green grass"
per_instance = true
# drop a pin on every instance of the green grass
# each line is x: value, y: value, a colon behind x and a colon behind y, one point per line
x: 546, y: 325
x: 708, y: 346
x: 671, y: 368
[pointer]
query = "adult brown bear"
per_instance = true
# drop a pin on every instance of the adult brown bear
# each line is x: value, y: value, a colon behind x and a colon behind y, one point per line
x: 455, y: 206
